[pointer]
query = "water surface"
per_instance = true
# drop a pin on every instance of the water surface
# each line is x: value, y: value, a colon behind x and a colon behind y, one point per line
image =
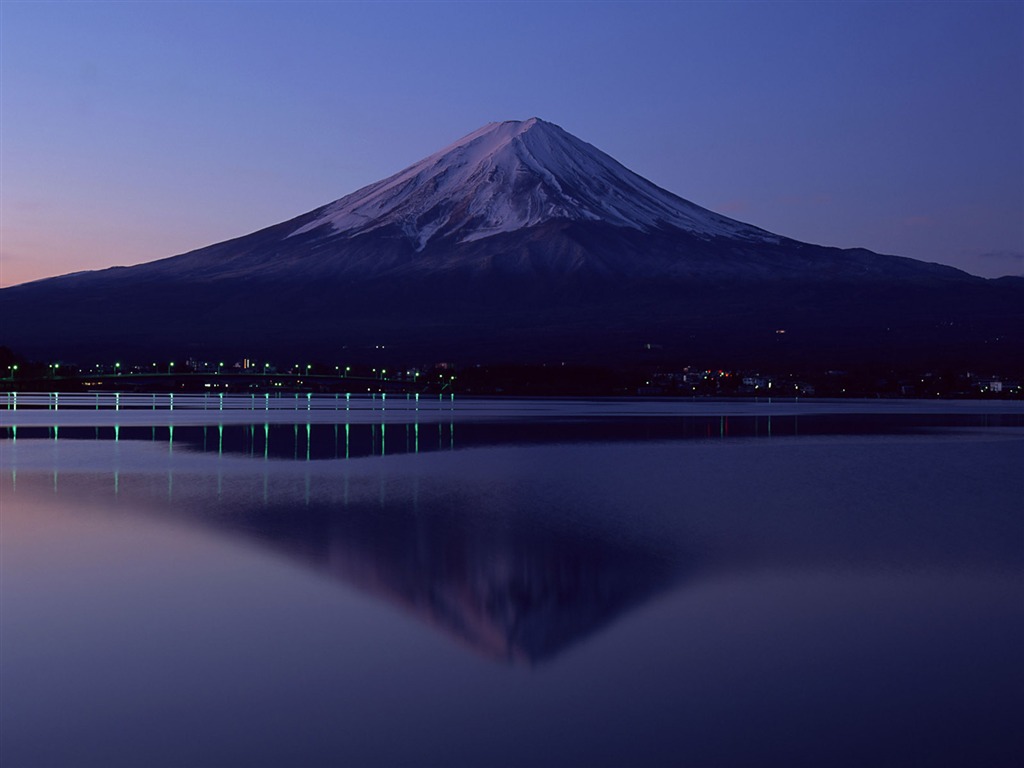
x: 566, y: 584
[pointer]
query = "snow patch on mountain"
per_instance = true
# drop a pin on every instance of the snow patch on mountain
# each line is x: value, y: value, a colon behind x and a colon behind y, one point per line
x: 516, y: 174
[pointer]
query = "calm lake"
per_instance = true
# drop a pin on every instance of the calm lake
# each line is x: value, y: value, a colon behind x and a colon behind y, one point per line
x: 513, y: 583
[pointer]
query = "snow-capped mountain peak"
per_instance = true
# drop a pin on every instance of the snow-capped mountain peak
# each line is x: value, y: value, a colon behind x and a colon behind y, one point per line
x: 511, y: 175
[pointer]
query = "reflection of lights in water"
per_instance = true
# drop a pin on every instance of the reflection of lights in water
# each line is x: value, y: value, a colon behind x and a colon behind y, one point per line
x: 383, y: 426
x: 346, y: 450
x: 308, y: 441
x: 117, y: 432
x: 117, y: 401
x: 266, y: 447
x: 170, y: 402
x: 416, y: 435
x: 170, y: 438
x: 220, y: 439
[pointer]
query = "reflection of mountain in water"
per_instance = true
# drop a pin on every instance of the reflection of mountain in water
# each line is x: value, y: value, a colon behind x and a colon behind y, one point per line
x: 510, y: 574
x: 512, y: 589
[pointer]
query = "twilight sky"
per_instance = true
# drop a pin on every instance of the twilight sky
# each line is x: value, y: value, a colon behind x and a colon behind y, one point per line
x: 131, y: 131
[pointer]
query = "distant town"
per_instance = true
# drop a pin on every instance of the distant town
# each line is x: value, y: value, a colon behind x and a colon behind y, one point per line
x: 251, y: 375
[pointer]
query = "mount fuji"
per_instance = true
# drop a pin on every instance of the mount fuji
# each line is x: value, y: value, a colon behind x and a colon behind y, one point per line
x: 513, y: 175
x: 522, y: 243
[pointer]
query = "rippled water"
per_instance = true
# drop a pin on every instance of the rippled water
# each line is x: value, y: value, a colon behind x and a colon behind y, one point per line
x: 554, y: 584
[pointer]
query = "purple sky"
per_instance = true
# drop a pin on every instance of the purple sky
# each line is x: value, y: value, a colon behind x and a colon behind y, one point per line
x: 134, y: 131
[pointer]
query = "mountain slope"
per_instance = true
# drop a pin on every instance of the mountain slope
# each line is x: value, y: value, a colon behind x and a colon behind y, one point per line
x: 521, y: 242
